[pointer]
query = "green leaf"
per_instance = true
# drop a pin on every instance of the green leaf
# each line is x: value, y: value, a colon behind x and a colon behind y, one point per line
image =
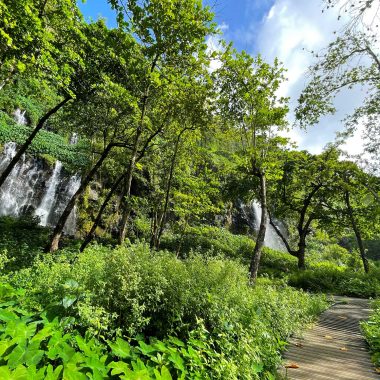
x: 176, y: 341
x: 4, y: 346
x: 176, y: 359
x: 119, y: 368
x: 53, y: 374
x: 146, y: 349
x: 6, y: 315
x: 121, y: 348
x: 257, y: 368
x: 164, y: 375
x: 68, y: 301
x: 20, y: 373
x: 16, y: 357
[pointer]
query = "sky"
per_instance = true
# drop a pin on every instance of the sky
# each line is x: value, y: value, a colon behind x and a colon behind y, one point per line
x: 289, y: 30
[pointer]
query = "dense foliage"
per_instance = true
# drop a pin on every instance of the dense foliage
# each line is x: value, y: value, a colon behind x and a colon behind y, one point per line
x: 184, y: 171
x: 129, y: 291
x: 371, y: 329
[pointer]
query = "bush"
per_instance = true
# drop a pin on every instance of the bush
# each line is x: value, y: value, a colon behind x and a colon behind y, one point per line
x: 75, y: 157
x: 130, y: 290
x: 330, y: 278
x: 371, y: 329
x: 21, y: 240
x: 214, y: 240
x: 43, y: 346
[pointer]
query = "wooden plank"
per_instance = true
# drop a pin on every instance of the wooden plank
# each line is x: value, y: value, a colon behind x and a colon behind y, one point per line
x: 335, y: 348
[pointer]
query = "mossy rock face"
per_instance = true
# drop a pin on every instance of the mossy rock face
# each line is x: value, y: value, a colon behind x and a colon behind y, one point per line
x: 51, y: 146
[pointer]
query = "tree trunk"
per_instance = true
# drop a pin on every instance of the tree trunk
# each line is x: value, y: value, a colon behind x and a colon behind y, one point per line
x: 255, y: 261
x: 91, y: 234
x: 162, y: 220
x: 357, y: 232
x: 301, y: 254
x: 127, y: 193
x: 57, y: 233
x: 29, y: 140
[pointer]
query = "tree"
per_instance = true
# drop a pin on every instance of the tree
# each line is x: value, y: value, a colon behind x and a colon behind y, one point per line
x: 357, y: 10
x: 172, y: 36
x: 354, y: 204
x: 248, y: 102
x: 110, y: 113
x: 298, y: 198
x: 33, y: 33
x: 76, y: 78
x: 352, y: 59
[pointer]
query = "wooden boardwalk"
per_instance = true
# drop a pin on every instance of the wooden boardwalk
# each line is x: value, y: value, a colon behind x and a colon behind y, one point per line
x: 334, y: 349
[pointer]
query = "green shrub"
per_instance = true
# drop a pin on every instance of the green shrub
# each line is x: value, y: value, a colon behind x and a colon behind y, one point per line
x: 130, y: 290
x: 43, y: 346
x: 371, y: 329
x: 214, y: 240
x: 21, y: 240
x: 330, y: 278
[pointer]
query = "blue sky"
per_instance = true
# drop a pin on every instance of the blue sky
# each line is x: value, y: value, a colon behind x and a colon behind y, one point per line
x: 239, y: 15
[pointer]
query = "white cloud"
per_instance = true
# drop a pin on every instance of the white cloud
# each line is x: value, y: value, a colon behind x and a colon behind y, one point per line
x: 214, y: 45
x: 290, y: 31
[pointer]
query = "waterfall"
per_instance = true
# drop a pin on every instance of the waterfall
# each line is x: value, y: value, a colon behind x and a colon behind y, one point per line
x: 72, y: 188
x: 17, y: 192
x: 272, y: 240
x: 249, y: 216
x: 33, y: 188
x: 49, y: 198
x: 73, y: 139
x: 20, y: 117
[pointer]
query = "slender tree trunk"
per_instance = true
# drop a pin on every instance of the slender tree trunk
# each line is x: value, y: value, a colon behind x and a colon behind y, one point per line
x: 154, y: 229
x: 357, y: 232
x: 162, y: 220
x: 255, y: 261
x: 57, y: 233
x: 127, y: 193
x: 29, y: 140
x: 98, y: 218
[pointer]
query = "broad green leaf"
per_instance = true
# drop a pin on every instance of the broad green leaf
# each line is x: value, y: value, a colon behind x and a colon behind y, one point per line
x: 118, y: 368
x: 176, y: 359
x: 6, y: 315
x: 68, y: 301
x: 164, y: 375
x: 121, y: 348
x: 53, y: 374
x: 20, y: 373
x: 146, y: 349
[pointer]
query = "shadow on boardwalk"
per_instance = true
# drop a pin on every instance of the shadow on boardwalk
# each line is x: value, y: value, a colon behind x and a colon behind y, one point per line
x: 334, y: 348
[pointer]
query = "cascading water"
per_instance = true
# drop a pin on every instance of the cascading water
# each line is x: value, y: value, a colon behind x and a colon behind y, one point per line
x: 32, y: 188
x: 44, y: 209
x: 20, y: 117
x: 73, y: 139
x: 272, y: 240
x: 250, y: 215
x: 17, y: 192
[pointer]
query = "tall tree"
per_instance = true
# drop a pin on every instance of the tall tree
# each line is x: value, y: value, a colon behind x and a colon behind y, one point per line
x: 248, y: 101
x: 351, y: 60
x: 355, y: 205
x: 109, y: 114
x: 33, y: 33
x: 172, y: 35
x: 298, y: 198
